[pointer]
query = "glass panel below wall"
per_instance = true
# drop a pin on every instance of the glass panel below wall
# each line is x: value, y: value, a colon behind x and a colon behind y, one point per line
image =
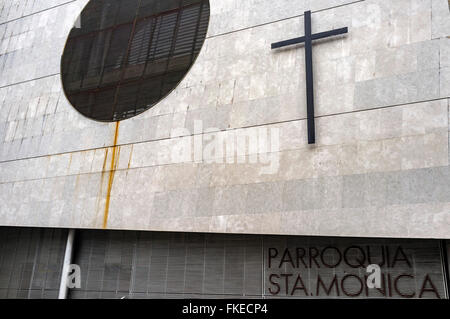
x: 122, y: 264
x: 131, y: 264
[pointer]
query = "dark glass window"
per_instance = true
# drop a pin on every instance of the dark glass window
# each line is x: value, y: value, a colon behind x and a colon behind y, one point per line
x: 124, y: 56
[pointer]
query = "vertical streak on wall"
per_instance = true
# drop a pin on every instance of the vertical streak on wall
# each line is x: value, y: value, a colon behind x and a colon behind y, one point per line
x: 100, y: 193
x: 131, y: 156
x: 112, y: 170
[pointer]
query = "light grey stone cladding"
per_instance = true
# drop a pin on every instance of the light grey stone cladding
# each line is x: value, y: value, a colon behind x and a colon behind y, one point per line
x: 380, y: 167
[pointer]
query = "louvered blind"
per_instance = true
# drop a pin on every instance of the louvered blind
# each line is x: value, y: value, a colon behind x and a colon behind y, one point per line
x: 31, y: 262
x: 168, y: 265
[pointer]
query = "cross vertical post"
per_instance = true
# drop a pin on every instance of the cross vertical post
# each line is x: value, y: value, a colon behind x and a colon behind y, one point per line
x: 309, y: 79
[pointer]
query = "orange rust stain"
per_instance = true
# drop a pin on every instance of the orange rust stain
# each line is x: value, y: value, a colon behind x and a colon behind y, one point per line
x: 104, y: 161
x: 112, y: 171
x: 103, y: 172
x: 131, y: 155
x: 101, y: 182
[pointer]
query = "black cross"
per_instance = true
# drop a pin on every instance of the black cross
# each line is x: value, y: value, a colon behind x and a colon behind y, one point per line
x: 308, y: 39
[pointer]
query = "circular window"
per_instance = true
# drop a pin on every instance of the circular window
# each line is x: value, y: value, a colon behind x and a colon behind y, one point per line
x: 124, y: 56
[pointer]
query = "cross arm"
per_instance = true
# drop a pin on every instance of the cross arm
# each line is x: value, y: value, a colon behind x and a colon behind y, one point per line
x: 326, y: 34
x: 287, y: 42
x: 316, y: 36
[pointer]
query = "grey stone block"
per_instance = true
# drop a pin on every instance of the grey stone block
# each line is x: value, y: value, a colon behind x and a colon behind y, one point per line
x: 298, y: 195
x: 353, y: 191
x: 401, y: 89
x: 230, y: 200
x: 264, y: 197
x: 205, y: 202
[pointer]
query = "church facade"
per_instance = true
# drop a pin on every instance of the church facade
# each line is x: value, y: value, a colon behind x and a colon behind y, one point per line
x: 225, y: 148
